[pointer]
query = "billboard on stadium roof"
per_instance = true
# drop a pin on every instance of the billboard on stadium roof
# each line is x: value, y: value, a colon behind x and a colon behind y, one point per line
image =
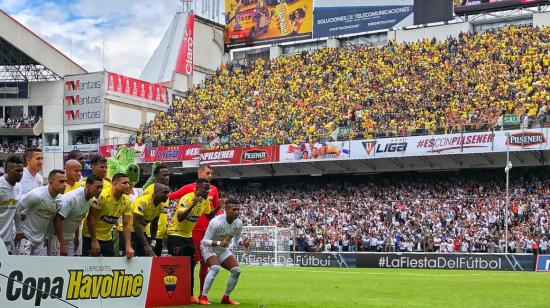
x: 479, y: 6
x: 334, y: 18
x: 255, y: 22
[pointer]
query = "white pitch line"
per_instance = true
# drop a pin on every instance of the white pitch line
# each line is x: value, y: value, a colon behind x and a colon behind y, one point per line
x: 387, y: 273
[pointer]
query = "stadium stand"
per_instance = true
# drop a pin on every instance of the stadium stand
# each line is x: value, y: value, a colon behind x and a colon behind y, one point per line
x: 462, y: 84
x: 458, y: 212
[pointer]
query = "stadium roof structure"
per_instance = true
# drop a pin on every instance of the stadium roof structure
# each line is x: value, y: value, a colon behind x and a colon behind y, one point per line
x: 161, y: 65
x: 24, y: 56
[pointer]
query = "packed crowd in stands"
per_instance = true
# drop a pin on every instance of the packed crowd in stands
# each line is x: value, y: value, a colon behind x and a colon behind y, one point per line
x: 437, y: 212
x: 464, y: 83
x: 20, y: 146
x: 23, y: 122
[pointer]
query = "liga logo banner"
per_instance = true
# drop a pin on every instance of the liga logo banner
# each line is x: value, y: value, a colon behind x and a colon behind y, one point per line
x: 334, y: 18
x: 83, y: 102
x: 172, y: 153
x: 266, y: 21
x: 92, y: 282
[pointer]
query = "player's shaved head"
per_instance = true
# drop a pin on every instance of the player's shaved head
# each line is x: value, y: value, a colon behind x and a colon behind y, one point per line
x: 73, y: 170
x: 161, y: 192
x: 72, y: 163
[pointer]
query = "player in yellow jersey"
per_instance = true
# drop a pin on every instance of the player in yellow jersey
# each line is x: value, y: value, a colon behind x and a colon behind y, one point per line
x: 190, y: 208
x: 73, y: 170
x: 161, y: 175
x: 99, y: 168
x: 146, y: 212
x: 111, y: 204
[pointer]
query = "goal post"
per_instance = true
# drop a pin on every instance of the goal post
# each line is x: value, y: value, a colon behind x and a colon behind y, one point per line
x: 268, y: 246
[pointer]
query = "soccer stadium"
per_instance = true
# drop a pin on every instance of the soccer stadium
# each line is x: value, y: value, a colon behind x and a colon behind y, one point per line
x: 275, y: 153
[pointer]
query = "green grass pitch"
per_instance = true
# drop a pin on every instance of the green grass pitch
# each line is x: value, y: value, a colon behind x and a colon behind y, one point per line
x: 334, y: 287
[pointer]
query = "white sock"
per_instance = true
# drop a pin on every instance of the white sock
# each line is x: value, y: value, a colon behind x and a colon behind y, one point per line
x: 233, y: 279
x: 209, y: 280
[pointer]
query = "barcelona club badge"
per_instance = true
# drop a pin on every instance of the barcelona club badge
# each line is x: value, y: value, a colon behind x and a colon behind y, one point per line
x: 170, y: 280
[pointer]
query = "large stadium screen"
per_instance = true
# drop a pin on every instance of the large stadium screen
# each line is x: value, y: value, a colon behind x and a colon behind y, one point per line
x: 255, y: 22
x: 477, y: 6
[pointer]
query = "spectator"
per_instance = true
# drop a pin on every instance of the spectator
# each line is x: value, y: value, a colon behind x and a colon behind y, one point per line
x: 398, y: 89
x: 434, y: 212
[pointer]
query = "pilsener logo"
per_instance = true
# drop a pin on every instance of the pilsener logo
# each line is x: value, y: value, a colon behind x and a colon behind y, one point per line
x: 526, y: 139
x: 255, y: 155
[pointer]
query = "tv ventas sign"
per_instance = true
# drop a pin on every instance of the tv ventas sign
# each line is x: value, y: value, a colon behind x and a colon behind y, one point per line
x: 83, y: 101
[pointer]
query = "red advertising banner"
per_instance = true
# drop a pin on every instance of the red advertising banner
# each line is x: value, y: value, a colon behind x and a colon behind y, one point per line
x: 185, y: 58
x: 172, y: 153
x: 251, y: 155
x: 221, y: 156
x: 135, y: 87
x: 263, y: 154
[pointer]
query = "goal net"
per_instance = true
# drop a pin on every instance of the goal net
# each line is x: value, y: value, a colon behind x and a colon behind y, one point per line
x: 267, y: 246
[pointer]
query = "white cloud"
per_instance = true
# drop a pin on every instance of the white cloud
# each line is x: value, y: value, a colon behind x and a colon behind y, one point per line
x: 131, y: 29
x: 12, y: 5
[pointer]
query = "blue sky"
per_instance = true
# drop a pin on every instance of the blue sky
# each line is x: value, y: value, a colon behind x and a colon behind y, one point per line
x: 131, y: 29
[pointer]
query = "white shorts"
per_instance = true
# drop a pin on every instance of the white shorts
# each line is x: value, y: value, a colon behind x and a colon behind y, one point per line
x: 54, y: 248
x: 209, y: 251
x: 26, y: 248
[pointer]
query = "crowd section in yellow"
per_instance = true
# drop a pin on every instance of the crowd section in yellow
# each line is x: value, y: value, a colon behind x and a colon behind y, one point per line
x: 461, y: 84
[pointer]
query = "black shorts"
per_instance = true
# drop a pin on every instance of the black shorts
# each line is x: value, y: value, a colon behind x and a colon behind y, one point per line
x: 106, y: 248
x: 138, y: 246
x: 183, y: 246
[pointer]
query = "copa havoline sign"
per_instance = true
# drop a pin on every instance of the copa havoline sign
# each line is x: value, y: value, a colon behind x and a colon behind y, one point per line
x: 334, y: 18
x: 88, y: 282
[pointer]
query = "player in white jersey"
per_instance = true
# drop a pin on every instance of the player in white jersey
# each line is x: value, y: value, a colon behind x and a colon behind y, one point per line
x: 41, y: 205
x: 74, y: 207
x: 215, y: 251
x: 31, y: 177
x: 8, y: 199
